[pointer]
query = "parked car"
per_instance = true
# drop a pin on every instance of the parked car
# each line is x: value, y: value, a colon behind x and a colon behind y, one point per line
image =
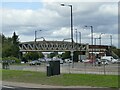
x: 98, y: 62
x: 68, y: 61
x: 102, y: 62
x: 88, y: 61
x: 35, y: 62
x: 61, y: 61
x: 115, y: 61
x: 105, y: 61
x: 42, y: 59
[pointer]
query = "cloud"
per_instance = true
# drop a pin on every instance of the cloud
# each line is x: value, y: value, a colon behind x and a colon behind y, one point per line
x: 111, y: 9
x: 54, y: 20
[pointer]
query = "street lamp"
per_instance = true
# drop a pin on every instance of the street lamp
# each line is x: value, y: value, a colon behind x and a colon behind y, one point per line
x: 71, y: 31
x: 80, y: 37
x: 76, y: 35
x: 71, y: 22
x: 91, y: 27
x: 100, y: 37
x: 36, y: 34
x: 42, y: 38
x: 111, y: 40
x: 91, y: 33
x: 80, y: 43
x: 95, y: 40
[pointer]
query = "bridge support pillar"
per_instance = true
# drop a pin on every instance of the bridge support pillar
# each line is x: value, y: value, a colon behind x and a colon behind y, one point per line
x: 87, y: 50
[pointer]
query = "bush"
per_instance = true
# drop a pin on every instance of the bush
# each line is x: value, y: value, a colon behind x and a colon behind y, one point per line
x: 12, y: 59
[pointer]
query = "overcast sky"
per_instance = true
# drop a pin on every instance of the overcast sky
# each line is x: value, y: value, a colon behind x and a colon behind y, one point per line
x: 54, y: 20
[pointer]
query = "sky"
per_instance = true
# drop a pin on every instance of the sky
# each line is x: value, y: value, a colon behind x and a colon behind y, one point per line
x: 53, y: 20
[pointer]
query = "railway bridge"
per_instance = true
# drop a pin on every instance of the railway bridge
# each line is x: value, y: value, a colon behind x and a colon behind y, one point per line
x: 62, y: 46
x: 47, y: 46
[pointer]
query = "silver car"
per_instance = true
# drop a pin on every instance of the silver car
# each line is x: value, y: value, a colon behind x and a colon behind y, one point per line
x: 35, y: 62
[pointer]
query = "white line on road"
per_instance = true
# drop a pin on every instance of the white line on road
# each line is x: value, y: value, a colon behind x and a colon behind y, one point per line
x: 7, y: 87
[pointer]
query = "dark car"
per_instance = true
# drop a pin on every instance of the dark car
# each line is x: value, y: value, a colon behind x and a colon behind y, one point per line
x: 35, y: 62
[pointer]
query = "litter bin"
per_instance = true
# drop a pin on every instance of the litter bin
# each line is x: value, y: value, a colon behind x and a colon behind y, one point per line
x: 49, y: 70
x: 53, y: 68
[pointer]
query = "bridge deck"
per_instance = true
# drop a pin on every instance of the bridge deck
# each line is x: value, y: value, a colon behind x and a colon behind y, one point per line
x: 52, y: 46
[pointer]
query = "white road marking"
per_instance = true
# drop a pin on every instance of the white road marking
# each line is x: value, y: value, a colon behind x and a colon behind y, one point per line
x: 7, y: 87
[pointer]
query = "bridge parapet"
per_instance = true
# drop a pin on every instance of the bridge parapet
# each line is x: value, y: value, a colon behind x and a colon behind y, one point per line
x: 51, y: 46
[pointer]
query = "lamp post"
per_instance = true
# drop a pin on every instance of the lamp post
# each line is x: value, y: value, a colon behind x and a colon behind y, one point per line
x: 71, y: 32
x: 95, y: 43
x: 95, y: 47
x: 80, y: 44
x: 42, y: 38
x: 101, y: 51
x: 100, y: 37
x: 91, y: 33
x: 71, y: 21
x: 80, y: 37
x: 91, y: 27
x: 36, y: 34
x: 111, y: 40
x: 76, y: 35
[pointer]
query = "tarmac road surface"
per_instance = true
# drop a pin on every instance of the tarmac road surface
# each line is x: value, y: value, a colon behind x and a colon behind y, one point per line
x: 24, y: 88
x: 30, y: 86
x: 78, y: 68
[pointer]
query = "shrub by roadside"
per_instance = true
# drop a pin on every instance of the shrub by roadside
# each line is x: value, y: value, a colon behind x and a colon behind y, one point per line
x: 11, y: 59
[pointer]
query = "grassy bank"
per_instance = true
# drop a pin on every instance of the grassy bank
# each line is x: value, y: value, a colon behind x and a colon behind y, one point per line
x: 63, y: 79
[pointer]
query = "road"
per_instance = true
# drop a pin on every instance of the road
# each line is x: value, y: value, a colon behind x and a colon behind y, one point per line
x: 25, y: 88
x: 78, y: 68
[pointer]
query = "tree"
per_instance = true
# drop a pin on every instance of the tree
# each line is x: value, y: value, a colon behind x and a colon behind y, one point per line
x: 15, y: 39
x: 53, y: 54
x: 15, y: 45
x: 66, y: 55
x: 33, y: 55
x: 3, y: 38
x: 117, y: 52
x: 6, y: 46
x: 6, y: 50
x: 0, y: 45
x: 41, y: 55
x: 10, y: 46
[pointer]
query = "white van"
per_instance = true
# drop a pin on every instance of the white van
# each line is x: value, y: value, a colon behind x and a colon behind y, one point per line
x: 110, y: 58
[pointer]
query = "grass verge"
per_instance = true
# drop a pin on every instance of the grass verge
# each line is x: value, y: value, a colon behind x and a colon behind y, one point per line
x: 61, y: 80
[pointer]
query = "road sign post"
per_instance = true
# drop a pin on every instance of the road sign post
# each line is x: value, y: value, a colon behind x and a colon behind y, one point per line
x: 72, y: 58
